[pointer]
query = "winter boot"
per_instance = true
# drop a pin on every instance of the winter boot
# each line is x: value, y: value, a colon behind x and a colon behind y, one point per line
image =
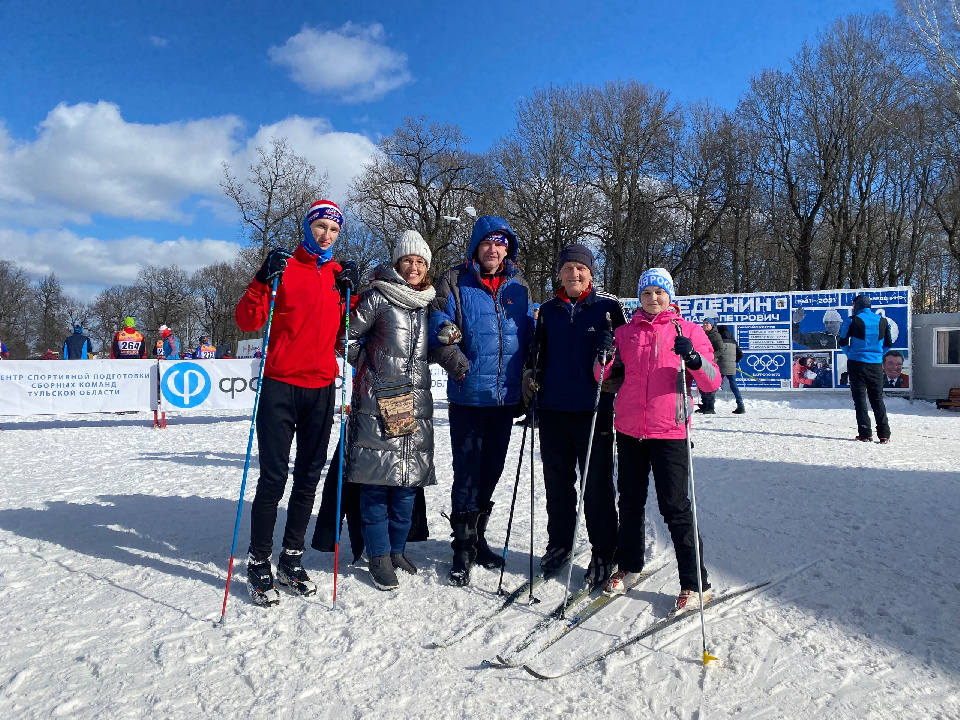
x: 689, y: 600
x: 464, y: 544
x: 291, y: 574
x: 260, y: 582
x: 598, y: 571
x: 402, y: 562
x: 554, y: 559
x: 381, y: 570
x: 703, y: 410
x: 740, y: 410
x: 485, y: 556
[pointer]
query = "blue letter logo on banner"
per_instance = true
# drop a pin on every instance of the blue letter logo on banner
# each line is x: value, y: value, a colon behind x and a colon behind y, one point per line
x: 185, y: 385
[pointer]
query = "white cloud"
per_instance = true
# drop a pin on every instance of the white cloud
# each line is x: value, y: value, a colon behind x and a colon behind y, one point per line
x: 352, y: 63
x: 86, y: 264
x: 87, y: 160
x: 158, y: 41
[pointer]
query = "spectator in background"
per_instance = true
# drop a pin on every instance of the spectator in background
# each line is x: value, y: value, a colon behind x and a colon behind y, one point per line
x: 4, y: 353
x: 708, y: 400
x: 77, y: 346
x: 864, y: 336
x: 205, y: 349
x: 129, y: 343
x: 727, y: 362
x: 50, y: 355
x: 893, y: 375
x: 536, y: 311
x: 167, y: 346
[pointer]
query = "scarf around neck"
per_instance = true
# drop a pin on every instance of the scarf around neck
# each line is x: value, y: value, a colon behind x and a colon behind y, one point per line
x: 388, y: 281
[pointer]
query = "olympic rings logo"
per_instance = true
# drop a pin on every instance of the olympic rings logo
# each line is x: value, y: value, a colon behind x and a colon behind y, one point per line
x: 766, y: 363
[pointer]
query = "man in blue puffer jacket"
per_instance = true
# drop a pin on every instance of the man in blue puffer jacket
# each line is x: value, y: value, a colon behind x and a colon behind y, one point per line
x: 864, y: 336
x: 481, y: 327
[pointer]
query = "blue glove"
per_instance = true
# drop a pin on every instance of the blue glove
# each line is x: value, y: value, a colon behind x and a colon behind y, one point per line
x: 273, y: 266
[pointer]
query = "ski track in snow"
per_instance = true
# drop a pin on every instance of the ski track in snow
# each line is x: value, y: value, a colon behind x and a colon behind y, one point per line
x: 114, y: 540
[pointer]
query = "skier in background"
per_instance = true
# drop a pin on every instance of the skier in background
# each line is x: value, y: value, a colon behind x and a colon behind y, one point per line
x: 168, y: 347
x: 128, y: 343
x: 76, y: 346
x: 205, y: 349
x: 4, y: 353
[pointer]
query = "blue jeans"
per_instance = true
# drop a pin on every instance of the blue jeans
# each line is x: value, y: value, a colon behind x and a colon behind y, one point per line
x: 386, y: 514
x: 732, y: 379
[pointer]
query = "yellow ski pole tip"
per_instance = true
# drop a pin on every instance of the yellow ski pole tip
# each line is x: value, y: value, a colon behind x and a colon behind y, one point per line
x: 707, y: 657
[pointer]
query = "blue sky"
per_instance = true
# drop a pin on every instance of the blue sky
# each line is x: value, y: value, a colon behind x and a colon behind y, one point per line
x: 115, y: 117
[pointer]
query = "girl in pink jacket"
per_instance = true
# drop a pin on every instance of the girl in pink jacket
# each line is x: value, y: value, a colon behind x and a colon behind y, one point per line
x: 650, y: 430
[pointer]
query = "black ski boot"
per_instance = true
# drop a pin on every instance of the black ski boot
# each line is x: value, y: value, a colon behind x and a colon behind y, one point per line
x: 485, y: 556
x: 464, y: 544
x: 381, y: 570
x: 740, y: 410
x: 291, y: 574
x: 260, y: 582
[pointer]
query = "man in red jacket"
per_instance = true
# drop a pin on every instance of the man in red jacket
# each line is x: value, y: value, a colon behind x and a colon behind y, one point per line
x: 297, y: 394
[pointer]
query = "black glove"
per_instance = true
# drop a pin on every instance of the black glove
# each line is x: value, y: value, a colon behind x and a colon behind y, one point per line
x: 683, y: 346
x: 349, y: 277
x: 273, y: 266
x: 605, y: 343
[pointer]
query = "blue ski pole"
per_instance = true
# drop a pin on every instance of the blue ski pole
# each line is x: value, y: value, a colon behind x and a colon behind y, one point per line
x: 246, y: 464
x: 343, y: 422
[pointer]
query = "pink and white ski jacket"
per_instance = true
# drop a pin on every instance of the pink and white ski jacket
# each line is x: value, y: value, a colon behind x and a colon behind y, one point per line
x: 648, y: 404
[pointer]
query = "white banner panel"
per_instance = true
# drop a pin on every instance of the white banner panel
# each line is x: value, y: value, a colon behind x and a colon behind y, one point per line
x: 47, y: 387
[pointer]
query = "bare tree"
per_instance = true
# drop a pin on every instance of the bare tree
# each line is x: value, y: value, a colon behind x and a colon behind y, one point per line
x: 164, y: 296
x: 547, y: 198
x: 49, y: 314
x: 421, y: 174
x: 217, y: 289
x: 15, y: 308
x: 274, y: 198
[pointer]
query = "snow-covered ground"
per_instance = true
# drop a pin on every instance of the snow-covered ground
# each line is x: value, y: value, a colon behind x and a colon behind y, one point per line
x: 114, y: 539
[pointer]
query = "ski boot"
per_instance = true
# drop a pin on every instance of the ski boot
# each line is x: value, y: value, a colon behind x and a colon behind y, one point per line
x: 464, y: 545
x: 260, y: 582
x: 291, y: 574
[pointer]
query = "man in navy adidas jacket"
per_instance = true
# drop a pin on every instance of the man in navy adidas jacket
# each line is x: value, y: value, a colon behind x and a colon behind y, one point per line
x: 573, y: 325
x: 864, y: 336
x: 481, y: 327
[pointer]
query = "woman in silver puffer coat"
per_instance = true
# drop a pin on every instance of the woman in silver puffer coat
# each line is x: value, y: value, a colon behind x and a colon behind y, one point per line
x: 390, y: 449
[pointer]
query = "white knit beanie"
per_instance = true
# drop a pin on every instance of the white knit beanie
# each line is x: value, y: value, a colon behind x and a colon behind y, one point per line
x: 412, y: 243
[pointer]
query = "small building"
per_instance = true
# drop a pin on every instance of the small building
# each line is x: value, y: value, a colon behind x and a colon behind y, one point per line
x: 935, y: 355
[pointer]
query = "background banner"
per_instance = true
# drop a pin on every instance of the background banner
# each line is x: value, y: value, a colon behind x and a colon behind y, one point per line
x: 46, y: 387
x: 789, y: 340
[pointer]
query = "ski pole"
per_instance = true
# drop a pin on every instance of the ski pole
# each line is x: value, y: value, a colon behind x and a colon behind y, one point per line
x: 159, y: 415
x: 246, y: 464
x: 583, y: 477
x: 707, y: 657
x: 513, y: 504
x: 533, y: 441
x: 343, y: 421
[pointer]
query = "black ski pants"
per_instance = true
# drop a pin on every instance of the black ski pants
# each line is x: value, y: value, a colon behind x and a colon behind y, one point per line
x: 866, y: 381
x: 286, y: 411
x: 564, y: 437
x: 479, y: 438
x: 668, y: 460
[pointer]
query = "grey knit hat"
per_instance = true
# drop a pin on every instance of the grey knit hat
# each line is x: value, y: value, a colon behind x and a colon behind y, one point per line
x: 576, y: 253
x: 412, y: 243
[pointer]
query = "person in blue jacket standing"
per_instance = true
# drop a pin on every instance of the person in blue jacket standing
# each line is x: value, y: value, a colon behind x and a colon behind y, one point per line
x: 481, y: 328
x: 863, y: 337
x: 77, y: 345
x: 168, y: 347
